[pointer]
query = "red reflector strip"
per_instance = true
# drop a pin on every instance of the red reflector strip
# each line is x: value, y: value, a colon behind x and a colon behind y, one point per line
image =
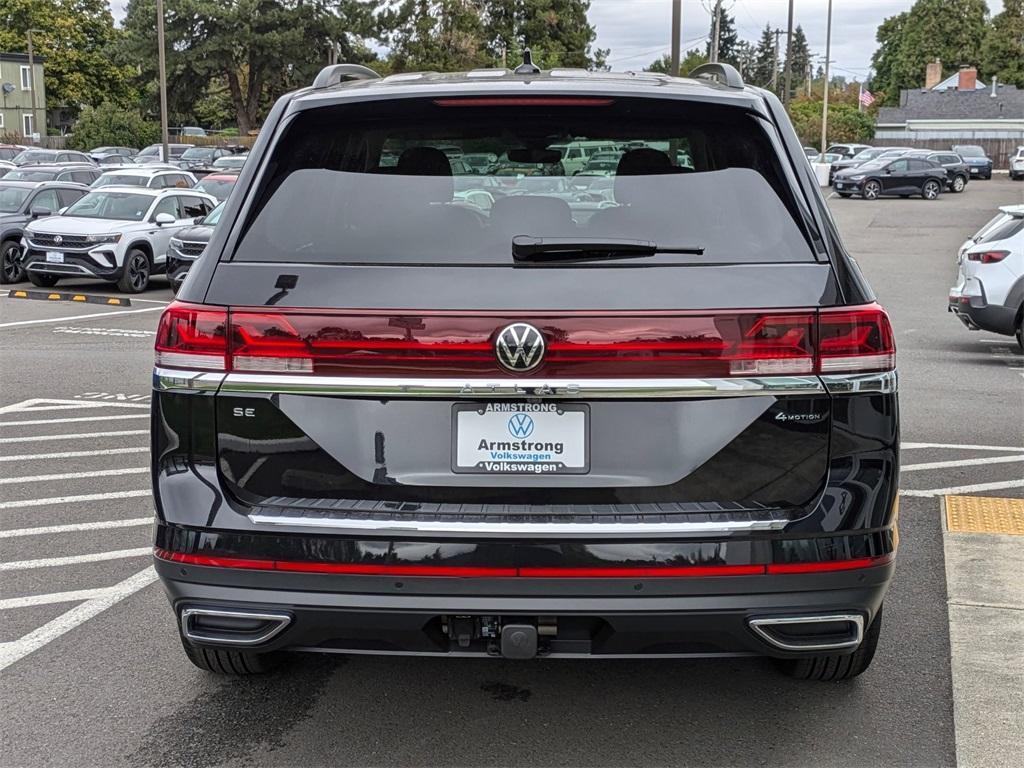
x: 636, y: 573
x: 369, y: 569
x: 829, y: 565
x: 525, y: 101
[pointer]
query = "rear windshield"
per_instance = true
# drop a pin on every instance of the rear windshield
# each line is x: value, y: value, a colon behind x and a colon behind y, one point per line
x: 120, y: 180
x: 1003, y: 231
x: 969, y: 150
x: 374, y: 183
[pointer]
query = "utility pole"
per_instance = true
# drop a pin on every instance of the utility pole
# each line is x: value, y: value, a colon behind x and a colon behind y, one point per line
x: 32, y: 83
x: 775, y: 63
x: 677, y: 23
x: 828, y: 54
x: 789, y: 55
x: 717, y: 31
x: 164, y: 133
x: 810, y: 77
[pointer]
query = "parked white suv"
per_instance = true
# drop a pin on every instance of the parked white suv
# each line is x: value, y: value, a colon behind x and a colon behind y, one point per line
x: 1017, y: 165
x: 154, y: 178
x: 118, y: 234
x: 989, y: 292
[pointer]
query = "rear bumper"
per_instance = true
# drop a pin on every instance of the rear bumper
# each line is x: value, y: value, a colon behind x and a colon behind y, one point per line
x: 975, y: 313
x: 598, y: 618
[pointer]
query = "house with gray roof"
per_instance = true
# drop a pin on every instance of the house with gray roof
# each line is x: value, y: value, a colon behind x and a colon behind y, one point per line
x: 964, y: 111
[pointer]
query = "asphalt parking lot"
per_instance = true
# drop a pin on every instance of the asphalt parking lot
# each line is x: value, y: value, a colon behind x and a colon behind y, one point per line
x: 91, y: 672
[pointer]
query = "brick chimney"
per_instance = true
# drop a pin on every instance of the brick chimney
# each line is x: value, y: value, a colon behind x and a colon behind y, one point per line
x: 932, y: 74
x: 968, y: 79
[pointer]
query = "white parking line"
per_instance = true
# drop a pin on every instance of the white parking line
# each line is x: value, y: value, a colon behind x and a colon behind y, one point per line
x: 92, y: 557
x: 33, y: 422
x: 53, y: 597
x: 19, y: 649
x: 75, y: 454
x: 77, y: 436
x: 72, y: 499
x: 911, y: 446
x: 961, y: 463
x: 961, y: 489
x: 74, y: 475
x: 71, y: 527
x: 112, y: 313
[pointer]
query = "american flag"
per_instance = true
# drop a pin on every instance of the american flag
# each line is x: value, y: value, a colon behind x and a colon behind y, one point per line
x: 866, y: 98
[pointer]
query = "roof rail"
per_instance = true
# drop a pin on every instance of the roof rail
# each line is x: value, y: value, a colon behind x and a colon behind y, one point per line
x: 337, y: 73
x: 726, y: 74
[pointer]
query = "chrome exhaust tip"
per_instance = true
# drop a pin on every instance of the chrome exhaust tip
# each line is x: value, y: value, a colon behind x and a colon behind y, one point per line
x: 231, y: 626
x: 822, y: 632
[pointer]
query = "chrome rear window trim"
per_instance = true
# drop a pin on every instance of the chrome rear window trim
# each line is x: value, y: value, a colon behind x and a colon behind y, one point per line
x: 169, y: 379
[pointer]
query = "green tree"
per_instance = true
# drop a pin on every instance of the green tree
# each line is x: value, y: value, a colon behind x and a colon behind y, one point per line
x: 258, y: 49
x: 1003, y: 51
x: 728, y: 38
x: 77, y: 38
x: 690, y: 61
x: 109, y: 124
x: 883, y: 61
x: 557, y: 32
x: 950, y: 30
x: 441, y: 35
x: 765, y: 61
x: 801, y: 58
x: 845, y: 122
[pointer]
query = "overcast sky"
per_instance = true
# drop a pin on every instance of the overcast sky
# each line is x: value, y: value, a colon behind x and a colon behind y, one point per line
x: 638, y: 31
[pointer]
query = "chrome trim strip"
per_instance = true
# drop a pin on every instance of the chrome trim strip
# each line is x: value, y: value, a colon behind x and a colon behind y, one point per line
x: 585, y: 389
x: 885, y: 382
x: 282, y: 619
x: 539, y: 530
x: 170, y: 380
x: 758, y: 625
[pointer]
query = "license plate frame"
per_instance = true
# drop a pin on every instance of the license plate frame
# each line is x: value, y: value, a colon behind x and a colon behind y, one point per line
x: 547, y: 413
x: 54, y: 257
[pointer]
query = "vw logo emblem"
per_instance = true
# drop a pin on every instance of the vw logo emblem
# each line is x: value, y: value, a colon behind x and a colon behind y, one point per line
x: 519, y: 347
x: 520, y: 425
x: 57, y: 239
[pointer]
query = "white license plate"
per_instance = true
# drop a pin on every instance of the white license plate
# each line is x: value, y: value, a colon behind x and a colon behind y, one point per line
x: 520, y: 438
x: 55, y: 257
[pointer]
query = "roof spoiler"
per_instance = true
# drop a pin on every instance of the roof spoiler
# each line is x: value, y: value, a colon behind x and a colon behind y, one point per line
x: 338, y: 73
x: 1016, y: 211
x: 725, y: 74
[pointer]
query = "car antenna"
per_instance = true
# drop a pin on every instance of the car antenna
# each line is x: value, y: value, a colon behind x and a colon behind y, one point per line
x: 527, y: 67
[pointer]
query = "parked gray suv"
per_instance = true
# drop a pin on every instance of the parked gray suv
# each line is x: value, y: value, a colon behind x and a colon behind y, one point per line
x: 20, y: 202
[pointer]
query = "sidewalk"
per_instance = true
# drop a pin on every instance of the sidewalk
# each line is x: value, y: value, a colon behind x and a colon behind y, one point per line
x: 984, y: 551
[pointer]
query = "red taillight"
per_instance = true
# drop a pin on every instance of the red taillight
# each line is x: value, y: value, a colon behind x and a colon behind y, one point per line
x: 191, y: 336
x: 855, y: 340
x: 578, y: 344
x: 988, y: 257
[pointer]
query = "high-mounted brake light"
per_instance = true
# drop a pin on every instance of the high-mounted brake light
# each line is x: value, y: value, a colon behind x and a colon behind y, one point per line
x: 988, y: 257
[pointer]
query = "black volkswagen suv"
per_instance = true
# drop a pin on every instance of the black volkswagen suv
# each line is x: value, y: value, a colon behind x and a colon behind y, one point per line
x: 399, y: 412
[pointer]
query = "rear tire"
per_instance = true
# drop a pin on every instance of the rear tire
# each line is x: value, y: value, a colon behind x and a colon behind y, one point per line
x: 9, y: 271
x: 42, y: 281
x: 224, y: 662
x: 833, y: 668
x: 1020, y: 329
x: 931, y: 190
x: 959, y: 183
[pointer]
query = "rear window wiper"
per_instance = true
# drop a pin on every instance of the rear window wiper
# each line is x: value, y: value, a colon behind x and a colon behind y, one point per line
x: 529, y: 248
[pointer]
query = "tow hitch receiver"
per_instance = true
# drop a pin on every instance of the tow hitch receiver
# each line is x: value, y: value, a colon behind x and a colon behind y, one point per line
x: 518, y: 641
